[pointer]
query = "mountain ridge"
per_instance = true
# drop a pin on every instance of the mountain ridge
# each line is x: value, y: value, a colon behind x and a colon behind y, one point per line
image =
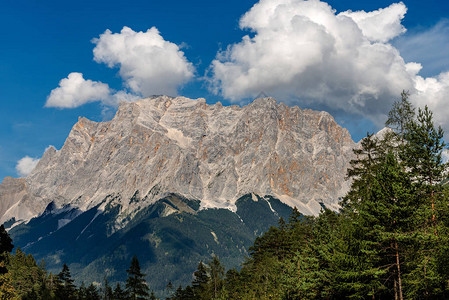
x: 211, y: 153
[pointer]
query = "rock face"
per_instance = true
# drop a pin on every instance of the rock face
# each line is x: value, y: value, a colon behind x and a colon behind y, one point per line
x: 211, y: 153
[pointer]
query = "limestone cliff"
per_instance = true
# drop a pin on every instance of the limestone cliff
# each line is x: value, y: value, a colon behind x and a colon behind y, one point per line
x: 212, y: 153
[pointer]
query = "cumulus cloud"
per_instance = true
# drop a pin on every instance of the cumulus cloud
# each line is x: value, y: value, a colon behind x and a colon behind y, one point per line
x: 306, y: 53
x: 434, y: 92
x: 380, y: 25
x: 148, y: 64
x: 75, y: 91
x: 25, y: 165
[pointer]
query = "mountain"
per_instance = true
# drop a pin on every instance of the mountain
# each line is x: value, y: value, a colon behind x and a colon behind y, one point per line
x: 211, y: 153
x: 169, y: 237
x: 174, y: 180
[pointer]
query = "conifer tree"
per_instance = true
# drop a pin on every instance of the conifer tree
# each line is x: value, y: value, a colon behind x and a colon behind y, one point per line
x: 7, y: 290
x: 6, y: 246
x: 423, y: 159
x: 119, y: 293
x: 65, y: 289
x: 92, y: 293
x: 136, y: 285
x: 82, y: 291
x: 200, y: 281
x: 216, y: 271
x: 401, y: 115
x: 107, y: 290
x: 28, y: 278
x: 152, y: 296
x: 381, y: 205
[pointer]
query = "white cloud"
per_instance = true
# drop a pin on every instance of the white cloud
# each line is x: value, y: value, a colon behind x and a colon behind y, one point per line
x: 380, y: 25
x: 306, y: 53
x: 148, y: 64
x: 75, y: 91
x: 25, y: 165
x: 434, y: 92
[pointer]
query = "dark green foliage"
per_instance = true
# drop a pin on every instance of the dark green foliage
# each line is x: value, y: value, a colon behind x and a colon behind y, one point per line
x: 6, y: 246
x: 89, y: 293
x: 107, y: 292
x: 208, y: 282
x: 152, y: 296
x: 389, y: 241
x: 169, y: 247
x: 28, y: 278
x: 92, y: 293
x: 136, y: 285
x: 401, y: 115
x: 119, y: 293
x: 200, y: 281
x: 65, y: 289
x: 5, y: 241
x: 216, y: 273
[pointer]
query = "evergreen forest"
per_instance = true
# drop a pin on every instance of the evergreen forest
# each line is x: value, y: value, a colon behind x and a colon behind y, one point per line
x: 389, y: 240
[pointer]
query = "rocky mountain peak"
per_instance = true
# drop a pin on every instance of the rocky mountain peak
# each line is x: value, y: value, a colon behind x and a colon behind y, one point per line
x: 211, y: 153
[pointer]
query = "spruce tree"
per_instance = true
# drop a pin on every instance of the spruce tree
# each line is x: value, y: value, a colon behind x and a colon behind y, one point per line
x: 381, y: 205
x: 92, y: 293
x: 107, y: 290
x: 136, y: 285
x: 119, y: 293
x: 200, y: 281
x: 423, y: 159
x: 65, y: 289
x: 216, y: 271
x: 6, y: 246
x: 7, y: 290
x: 82, y: 291
x: 401, y: 115
x: 152, y: 296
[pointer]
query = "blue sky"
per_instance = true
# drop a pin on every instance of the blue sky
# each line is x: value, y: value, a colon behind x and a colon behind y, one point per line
x: 43, y: 42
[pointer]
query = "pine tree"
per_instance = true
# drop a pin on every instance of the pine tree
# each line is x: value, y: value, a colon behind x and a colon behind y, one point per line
x: 136, y: 285
x: 119, y: 293
x: 28, y: 278
x: 65, y: 289
x: 401, y: 115
x: 381, y: 205
x: 82, y: 291
x: 216, y: 271
x: 92, y: 293
x: 107, y: 290
x: 152, y: 296
x: 185, y: 294
x: 200, y: 281
x: 6, y: 246
x: 423, y: 159
x: 392, y: 205
x: 7, y: 291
